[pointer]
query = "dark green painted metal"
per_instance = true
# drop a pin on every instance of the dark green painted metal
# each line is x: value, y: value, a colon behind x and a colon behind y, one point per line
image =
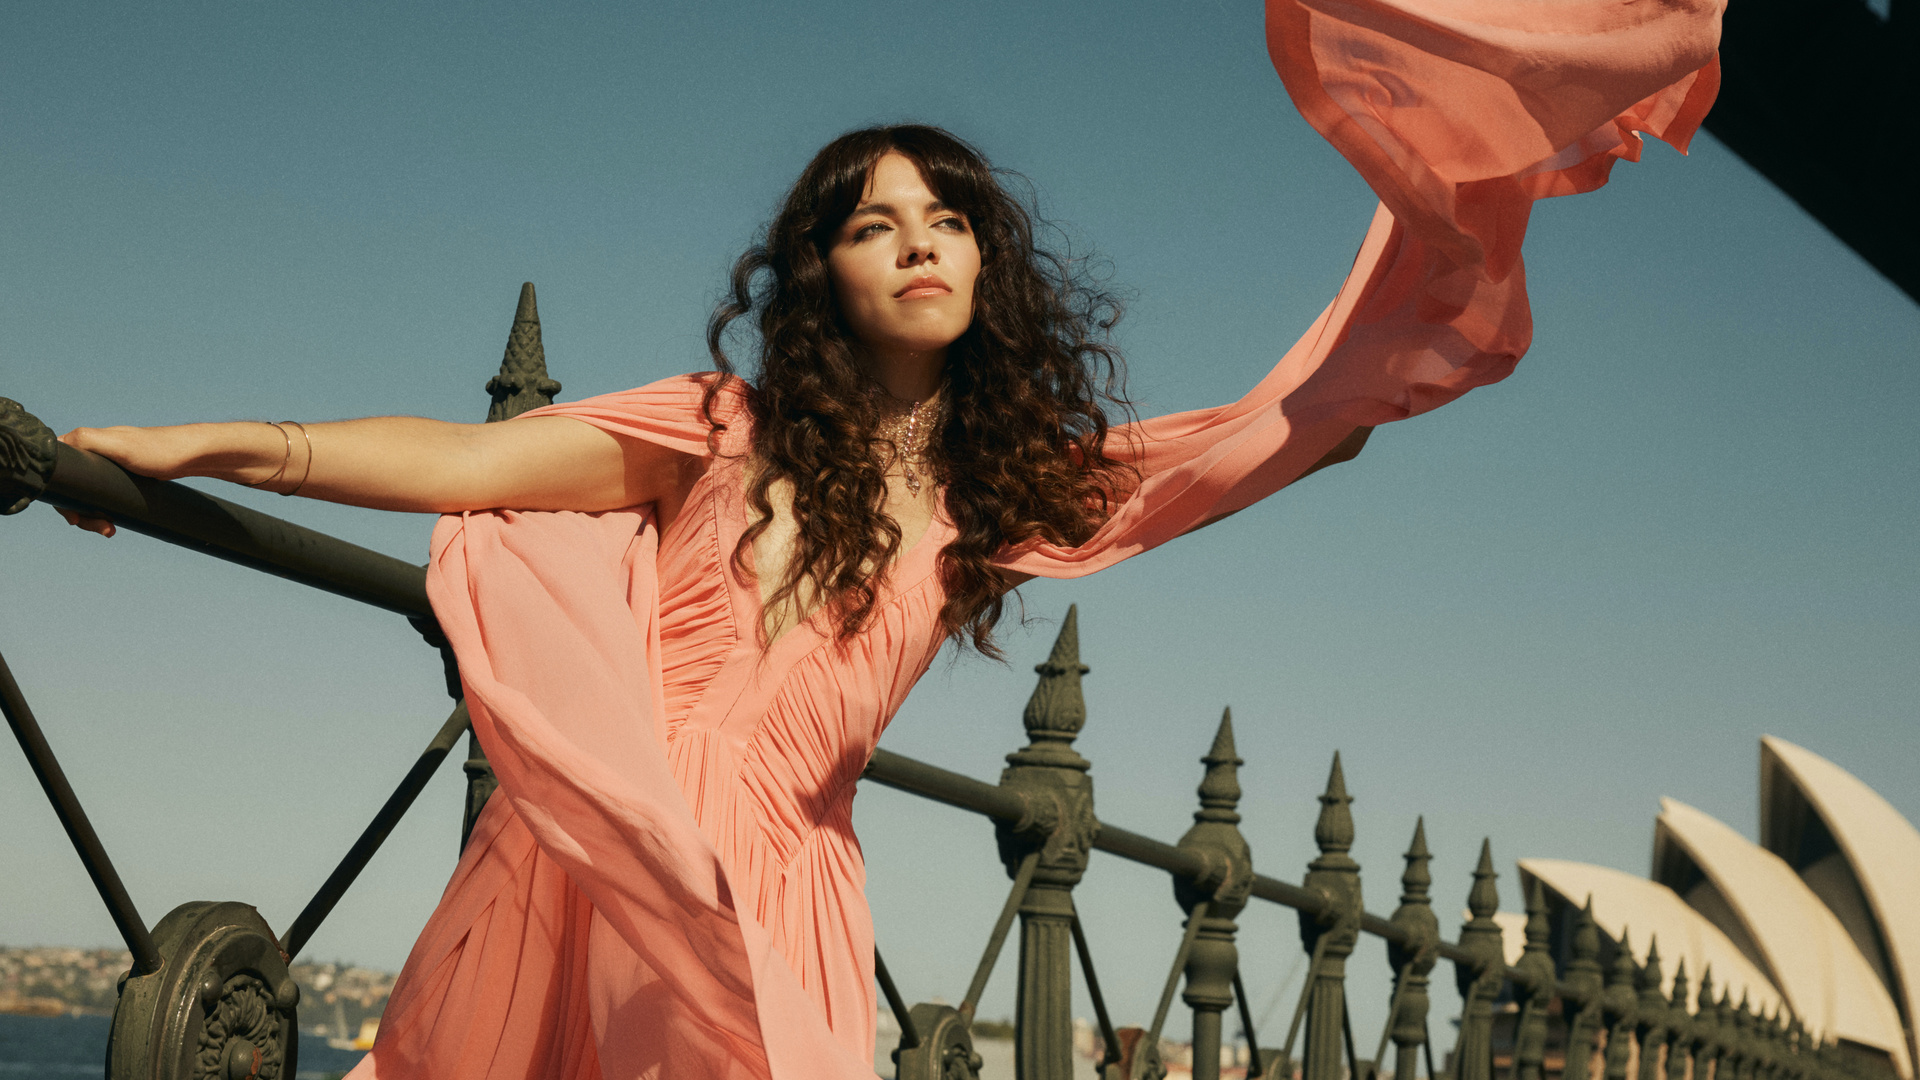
x: 34, y: 467
x: 1256, y: 1057
x: 1109, y: 1039
x: 1681, y: 1038
x: 222, y: 1003
x: 1650, y: 1019
x: 213, y: 526
x: 1332, y: 933
x: 521, y: 385
x: 66, y: 806
x: 1060, y: 825
x: 1585, y: 983
x: 1151, y: 1041
x: 1022, y: 879
x: 909, y: 1033
x: 1479, y: 983
x: 375, y: 834
x: 1617, y: 1004
x: 1530, y: 1030
x: 1213, y: 959
x: 28, y: 450
x: 945, y: 1051
x: 1705, y: 1028
x: 1412, y: 958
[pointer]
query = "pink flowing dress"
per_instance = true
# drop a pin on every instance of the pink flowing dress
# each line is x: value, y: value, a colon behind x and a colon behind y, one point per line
x: 667, y: 883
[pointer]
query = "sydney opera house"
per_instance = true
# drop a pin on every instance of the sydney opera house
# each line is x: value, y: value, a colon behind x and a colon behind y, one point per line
x: 1820, y: 920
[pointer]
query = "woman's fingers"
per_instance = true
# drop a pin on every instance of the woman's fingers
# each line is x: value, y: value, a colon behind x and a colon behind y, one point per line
x: 103, y: 526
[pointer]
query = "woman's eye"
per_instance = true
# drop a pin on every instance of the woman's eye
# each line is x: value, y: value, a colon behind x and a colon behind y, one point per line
x: 869, y: 230
x: 957, y: 224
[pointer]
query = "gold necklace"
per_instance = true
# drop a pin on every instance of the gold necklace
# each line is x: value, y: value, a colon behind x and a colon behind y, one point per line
x: 908, y: 428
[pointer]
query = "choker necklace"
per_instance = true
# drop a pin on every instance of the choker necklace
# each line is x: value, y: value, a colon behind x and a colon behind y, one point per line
x: 909, y: 428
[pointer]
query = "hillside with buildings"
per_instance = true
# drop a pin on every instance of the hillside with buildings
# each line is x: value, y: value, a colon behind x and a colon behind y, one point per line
x: 334, y: 998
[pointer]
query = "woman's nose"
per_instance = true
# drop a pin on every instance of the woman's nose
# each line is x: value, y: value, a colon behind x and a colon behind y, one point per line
x: 917, y: 249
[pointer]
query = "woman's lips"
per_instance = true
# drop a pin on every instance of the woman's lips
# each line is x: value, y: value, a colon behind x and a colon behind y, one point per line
x: 921, y: 288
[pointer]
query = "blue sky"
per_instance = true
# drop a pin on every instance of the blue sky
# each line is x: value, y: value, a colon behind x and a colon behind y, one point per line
x: 1686, y: 521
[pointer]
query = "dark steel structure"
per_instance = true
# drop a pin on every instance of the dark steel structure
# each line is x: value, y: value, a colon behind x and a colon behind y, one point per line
x: 209, y: 993
x: 1823, y: 98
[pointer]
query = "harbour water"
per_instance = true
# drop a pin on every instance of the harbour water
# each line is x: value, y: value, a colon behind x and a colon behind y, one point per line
x: 57, y: 1047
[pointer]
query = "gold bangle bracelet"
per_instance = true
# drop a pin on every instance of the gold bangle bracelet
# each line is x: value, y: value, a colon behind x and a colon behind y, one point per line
x: 306, y: 472
x: 284, y: 460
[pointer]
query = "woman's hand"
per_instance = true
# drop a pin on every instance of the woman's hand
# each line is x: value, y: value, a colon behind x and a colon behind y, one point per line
x: 409, y: 464
x: 246, y: 453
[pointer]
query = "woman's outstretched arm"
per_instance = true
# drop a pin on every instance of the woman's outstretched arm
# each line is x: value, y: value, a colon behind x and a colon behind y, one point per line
x: 409, y: 464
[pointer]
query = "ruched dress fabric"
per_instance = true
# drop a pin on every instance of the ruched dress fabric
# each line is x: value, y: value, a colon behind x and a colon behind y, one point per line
x: 667, y: 882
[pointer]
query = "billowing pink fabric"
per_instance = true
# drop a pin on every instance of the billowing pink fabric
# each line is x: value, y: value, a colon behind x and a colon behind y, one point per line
x: 667, y: 884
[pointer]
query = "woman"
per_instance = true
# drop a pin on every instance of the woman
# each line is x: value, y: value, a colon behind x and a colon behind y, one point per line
x: 685, y: 613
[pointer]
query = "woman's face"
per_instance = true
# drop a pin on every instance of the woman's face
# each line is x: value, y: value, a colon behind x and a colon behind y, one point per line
x: 903, y: 267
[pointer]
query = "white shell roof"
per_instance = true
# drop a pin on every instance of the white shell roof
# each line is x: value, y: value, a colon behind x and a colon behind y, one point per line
x: 1811, y: 958
x: 1881, y: 846
x: 1625, y: 904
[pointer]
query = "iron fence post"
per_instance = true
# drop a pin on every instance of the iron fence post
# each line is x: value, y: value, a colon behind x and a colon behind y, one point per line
x: 1680, y: 1036
x: 1480, y: 982
x: 1332, y: 934
x: 522, y: 385
x: 1530, y: 1031
x: 1413, y: 962
x: 1213, y: 959
x: 1618, y: 1001
x: 1584, y: 980
x: 1650, y: 1013
x: 1053, y: 780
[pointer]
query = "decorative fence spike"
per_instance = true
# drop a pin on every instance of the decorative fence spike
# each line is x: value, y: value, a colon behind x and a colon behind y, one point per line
x: 1584, y: 984
x: 1536, y: 963
x: 1680, y: 1041
x: 1413, y: 962
x: 1617, y: 1002
x: 1480, y: 982
x: 1216, y: 900
x: 522, y: 385
x: 1331, y: 936
x: 1651, y: 1013
x: 1052, y: 779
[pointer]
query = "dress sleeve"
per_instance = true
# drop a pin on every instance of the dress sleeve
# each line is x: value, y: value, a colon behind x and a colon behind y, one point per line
x: 669, y: 413
x: 1459, y: 114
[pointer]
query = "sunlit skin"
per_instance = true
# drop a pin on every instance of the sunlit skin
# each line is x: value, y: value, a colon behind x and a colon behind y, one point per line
x: 903, y: 268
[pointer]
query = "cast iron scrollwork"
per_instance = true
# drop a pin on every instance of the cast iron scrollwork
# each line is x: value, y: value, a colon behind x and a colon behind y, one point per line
x: 222, y: 1006
x: 27, y: 454
x: 946, y: 1047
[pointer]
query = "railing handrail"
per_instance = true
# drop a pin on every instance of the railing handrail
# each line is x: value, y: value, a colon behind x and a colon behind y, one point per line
x: 964, y: 792
x: 166, y: 510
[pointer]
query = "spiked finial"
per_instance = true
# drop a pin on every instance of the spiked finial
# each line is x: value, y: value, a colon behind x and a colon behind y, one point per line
x: 522, y: 383
x: 1586, y: 945
x: 1703, y: 1004
x: 1677, y: 1001
x: 1220, y: 787
x: 1484, y: 898
x: 1622, y: 971
x: 1651, y: 976
x: 1538, y: 929
x: 1056, y: 712
x: 1334, y: 831
x: 1416, y: 879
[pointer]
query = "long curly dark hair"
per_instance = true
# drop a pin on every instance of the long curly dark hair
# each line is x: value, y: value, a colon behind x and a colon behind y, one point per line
x: 1029, y: 388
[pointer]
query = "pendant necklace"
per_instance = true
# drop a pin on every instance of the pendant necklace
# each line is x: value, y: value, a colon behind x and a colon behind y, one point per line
x: 911, y: 433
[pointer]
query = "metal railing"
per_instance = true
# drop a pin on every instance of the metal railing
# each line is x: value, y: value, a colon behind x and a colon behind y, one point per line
x: 209, y: 991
